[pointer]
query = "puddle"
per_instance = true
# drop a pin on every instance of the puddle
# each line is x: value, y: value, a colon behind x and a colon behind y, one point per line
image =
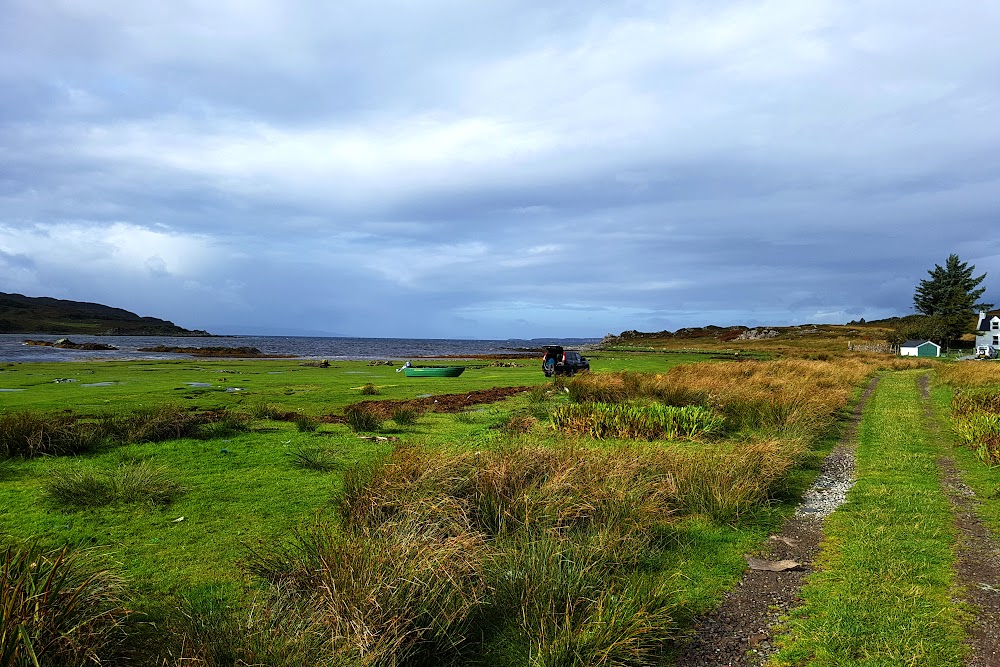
x: 99, y: 384
x: 424, y: 395
x: 61, y: 380
x: 356, y: 373
x: 198, y: 384
x: 230, y: 390
x: 11, y: 390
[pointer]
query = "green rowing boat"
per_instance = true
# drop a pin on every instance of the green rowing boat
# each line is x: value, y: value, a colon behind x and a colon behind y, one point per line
x: 433, y: 371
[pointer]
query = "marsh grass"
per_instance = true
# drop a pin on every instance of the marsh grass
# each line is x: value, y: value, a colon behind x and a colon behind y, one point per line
x: 727, y: 484
x: 975, y: 407
x: 131, y: 482
x: 799, y: 396
x: 58, y: 608
x: 464, y: 417
x: 369, y: 389
x: 260, y: 409
x: 154, y: 424
x: 27, y: 434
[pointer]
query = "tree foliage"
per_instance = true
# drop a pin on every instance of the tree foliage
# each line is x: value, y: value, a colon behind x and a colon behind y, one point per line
x: 947, y: 299
x: 951, y: 290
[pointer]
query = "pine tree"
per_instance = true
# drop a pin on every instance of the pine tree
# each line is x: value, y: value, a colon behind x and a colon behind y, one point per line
x: 951, y: 290
x: 950, y: 295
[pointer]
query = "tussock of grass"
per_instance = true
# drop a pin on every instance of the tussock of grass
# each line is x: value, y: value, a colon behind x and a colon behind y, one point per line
x: 313, y: 458
x: 404, y: 416
x: 273, y: 630
x: 56, y: 608
x: 369, y: 389
x: 387, y: 597
x: 135, y: 482
x: 439, y: 551
x: 726, y: 484
x: 363, y: 418
x: 306, y: 424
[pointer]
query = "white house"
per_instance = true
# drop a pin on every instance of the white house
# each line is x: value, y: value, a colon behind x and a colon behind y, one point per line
x: 988, y: 329
x: 919, y: 348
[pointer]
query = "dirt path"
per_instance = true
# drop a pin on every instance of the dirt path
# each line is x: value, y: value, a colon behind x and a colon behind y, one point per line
x: 738, y: 631
x: 978, y: 560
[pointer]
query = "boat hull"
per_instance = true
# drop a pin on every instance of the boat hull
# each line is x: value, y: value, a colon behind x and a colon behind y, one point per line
x: 433, y: 371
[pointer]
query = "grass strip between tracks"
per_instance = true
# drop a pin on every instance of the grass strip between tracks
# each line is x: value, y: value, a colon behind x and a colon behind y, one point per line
x: 882, y: 593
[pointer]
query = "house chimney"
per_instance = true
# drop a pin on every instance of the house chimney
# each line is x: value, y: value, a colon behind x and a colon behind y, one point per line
x: 982, y: 316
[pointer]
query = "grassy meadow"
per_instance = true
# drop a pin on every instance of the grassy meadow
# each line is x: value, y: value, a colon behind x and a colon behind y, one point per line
x: 271, y: 512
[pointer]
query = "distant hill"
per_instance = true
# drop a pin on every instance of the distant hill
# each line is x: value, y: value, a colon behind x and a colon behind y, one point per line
x: 44, y: 315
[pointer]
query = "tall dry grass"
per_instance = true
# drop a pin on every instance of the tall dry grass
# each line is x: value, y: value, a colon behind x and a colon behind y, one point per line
x: 383, y: 597
x: 971, y: 374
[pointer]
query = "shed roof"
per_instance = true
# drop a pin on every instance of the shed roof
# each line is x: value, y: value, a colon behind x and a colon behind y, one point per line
x: 918, y: 343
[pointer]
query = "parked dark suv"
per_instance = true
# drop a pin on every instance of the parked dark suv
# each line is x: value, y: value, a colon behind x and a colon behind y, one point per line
x: 558, y: 361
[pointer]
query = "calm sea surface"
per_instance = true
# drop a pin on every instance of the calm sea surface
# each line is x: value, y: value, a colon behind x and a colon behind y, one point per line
x: 12, y: 347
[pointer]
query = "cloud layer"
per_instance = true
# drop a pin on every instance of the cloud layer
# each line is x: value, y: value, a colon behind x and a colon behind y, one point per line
x: 496, y: 169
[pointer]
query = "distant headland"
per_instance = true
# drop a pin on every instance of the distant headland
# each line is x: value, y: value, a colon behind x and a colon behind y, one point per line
x: 21, y: 314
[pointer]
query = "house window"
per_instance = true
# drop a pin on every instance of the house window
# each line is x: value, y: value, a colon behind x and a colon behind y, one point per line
x: 996, y: 340
x: 995, y: 324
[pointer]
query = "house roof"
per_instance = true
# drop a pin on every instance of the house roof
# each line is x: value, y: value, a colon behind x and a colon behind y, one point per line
x: 918, y: 343
x: 984, y: 325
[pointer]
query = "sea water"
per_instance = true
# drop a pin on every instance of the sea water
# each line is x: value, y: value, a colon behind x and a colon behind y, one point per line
x: 12, y: 347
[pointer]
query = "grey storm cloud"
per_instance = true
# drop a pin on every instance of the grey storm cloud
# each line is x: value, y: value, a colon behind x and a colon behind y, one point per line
x: 502, y: 168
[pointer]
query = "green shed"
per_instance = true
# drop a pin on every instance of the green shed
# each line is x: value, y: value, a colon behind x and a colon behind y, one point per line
x: 920, y: 348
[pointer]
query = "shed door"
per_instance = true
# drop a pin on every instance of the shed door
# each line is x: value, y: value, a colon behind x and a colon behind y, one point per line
x: 926, y: 350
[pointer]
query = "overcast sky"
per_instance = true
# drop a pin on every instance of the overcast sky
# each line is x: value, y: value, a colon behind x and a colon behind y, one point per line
x: 494, y: 169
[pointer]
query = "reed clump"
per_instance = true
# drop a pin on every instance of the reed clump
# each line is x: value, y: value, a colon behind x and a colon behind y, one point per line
x: 631, y: 420
x: 58, y: 608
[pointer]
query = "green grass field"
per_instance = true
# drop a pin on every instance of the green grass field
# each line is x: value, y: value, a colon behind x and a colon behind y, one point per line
x: 219, y: 538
